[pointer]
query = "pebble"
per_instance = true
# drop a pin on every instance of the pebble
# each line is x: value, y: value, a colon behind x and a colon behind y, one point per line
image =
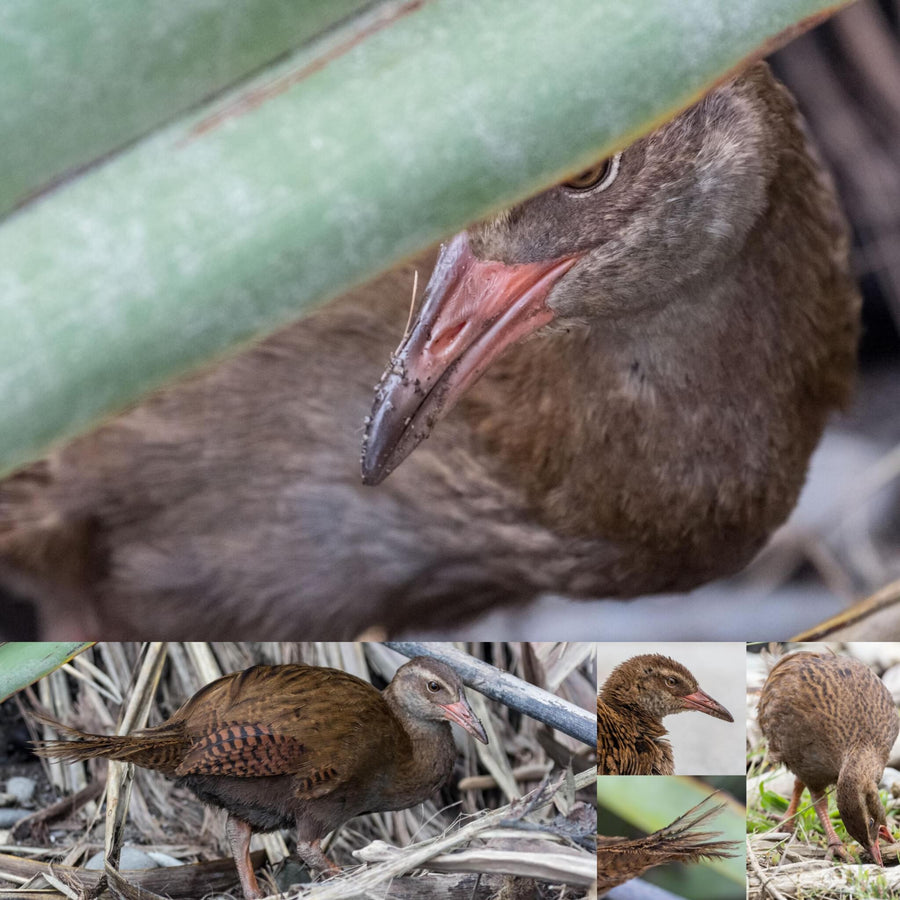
x: 163, y: 860
x: 891, y: 780
x: 11, y: 815
x: 21, y: 788
x: 131, y: 858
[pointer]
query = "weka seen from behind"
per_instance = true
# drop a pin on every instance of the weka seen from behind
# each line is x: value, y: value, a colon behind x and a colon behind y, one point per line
x: 302, y: 747
x: 631, y: 705
x: 831, y: 721
x: 620, y: 859
x: 693, y: 325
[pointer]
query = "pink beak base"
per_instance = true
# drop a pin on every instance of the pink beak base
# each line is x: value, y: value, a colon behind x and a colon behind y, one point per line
x: 473, y: 310
x: 702, y: 702
x: 461, y: 713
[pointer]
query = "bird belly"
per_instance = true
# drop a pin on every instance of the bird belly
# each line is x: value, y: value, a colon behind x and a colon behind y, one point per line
x: 264, y: 803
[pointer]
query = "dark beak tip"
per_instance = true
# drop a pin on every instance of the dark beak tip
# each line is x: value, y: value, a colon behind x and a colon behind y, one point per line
x: 372, y: 475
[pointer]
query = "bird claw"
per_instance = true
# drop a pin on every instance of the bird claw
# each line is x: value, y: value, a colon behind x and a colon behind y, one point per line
x: 837, y: 850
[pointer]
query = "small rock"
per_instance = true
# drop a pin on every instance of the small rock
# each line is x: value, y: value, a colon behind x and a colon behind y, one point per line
x: 131, y: 858
x: 11, y: 815
x: 21, y: 788
x: 7, y: 799
x: 163, y: 860
x: 891, y: 780
x: 891, y: 680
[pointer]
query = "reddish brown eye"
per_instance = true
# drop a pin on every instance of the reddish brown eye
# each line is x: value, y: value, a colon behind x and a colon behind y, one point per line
x: 599, y: 176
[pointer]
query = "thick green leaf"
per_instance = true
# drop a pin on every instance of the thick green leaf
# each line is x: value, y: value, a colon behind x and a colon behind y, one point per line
x: 362, y: 151
x: 24, y: 663
x: 78, y: 80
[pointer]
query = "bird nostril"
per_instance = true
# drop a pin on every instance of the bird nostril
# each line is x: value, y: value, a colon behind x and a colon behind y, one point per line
x: 443, y: 341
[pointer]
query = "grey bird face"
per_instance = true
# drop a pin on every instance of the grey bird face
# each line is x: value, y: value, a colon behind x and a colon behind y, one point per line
x: 605, y: 247
x: 674, y: 206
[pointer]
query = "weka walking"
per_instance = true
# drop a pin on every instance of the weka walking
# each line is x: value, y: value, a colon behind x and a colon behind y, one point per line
x: 620, y: 859
x: 831, y: 720
x: 694, y: 323
x: 635, y: 698
x: 302, y: 747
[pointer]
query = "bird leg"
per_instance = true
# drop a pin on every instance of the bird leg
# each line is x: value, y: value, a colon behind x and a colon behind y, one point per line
x: 789, y: 819
x: 820, y: 804
x: 312, y: 854
x: 238, y: 834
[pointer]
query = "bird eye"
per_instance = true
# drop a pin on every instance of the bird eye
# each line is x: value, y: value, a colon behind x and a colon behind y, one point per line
x: 671, y: 681
x: 596, y: 178
x: 433, y: 686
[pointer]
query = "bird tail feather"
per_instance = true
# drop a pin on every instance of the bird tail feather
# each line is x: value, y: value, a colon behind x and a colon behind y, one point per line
x: 683, y: 840
x: 154, y: 748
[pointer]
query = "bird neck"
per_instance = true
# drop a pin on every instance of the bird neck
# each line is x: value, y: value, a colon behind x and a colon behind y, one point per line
x: 646, y: 723
x: 425, y: 754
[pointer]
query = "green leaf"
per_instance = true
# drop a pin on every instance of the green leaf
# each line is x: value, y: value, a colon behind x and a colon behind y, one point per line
x: 78, y: 80
x: 385, y: 136
x: 24, y: 663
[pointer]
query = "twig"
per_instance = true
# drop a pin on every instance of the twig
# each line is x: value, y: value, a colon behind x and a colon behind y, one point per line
x: 764, y: 882
x: 356, y: 884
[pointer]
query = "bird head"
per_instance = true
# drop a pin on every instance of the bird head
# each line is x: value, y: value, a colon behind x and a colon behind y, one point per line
x: 660, y: 686
x: 610, y: 246
x: 430, y: 690
x: 862, y: 813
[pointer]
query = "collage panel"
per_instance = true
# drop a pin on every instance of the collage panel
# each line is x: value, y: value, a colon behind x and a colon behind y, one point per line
x: 823, y: 769
x: 671, y: 708
x: 670, y: 837
x: 320, y: 769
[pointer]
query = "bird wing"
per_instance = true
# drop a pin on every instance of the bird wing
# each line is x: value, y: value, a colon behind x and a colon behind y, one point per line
x: 243, y: 750
x: 317, y: 725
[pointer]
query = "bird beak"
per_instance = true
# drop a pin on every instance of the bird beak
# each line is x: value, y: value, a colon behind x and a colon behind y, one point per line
x: 473, y: 309
x: 884, y: 831
x: 461, y: 713
x: 875, y: 850
x: 701, y: 701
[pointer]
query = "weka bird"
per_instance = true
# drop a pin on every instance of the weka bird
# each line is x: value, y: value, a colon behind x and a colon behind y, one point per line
x: 620, y: 859
x: 695, y: 324
x: 635, y: 698
x: 300, y: 746
x: 831, y: 720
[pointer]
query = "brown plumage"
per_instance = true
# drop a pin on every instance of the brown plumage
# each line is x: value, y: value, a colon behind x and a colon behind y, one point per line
x: 635, y: 698
x: 831, y: 720
x: 694, y: 324
x: 300, y: 746
x: 620, y: 859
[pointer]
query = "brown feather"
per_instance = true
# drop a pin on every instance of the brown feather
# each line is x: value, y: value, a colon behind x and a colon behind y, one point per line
x: 621, y: 859
x: 831, y: 720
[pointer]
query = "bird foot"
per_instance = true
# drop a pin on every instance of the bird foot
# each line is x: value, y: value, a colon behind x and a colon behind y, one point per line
x: 837, y: 850
x: 310, y: 852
